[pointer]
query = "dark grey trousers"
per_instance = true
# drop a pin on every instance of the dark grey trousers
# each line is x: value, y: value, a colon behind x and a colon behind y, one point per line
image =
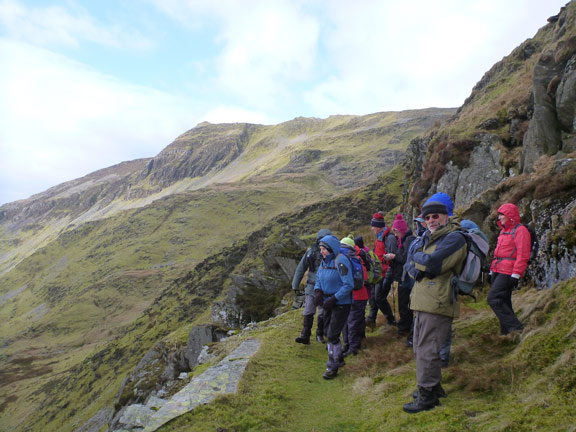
x: 430, y: 333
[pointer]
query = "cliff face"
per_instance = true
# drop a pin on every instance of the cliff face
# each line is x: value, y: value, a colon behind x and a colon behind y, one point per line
x: 197, y: 152
x: 513, y: 140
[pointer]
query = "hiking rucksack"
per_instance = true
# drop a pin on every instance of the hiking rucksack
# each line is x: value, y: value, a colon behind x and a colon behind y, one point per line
x: 375, y: 271
x: 313, y: 258
x: 533, y: 241
x: 373, y: 267
x: 476, y: 251
x: 357, y: 269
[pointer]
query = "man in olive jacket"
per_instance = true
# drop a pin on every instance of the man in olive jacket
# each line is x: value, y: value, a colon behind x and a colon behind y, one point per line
x: 434, y: 301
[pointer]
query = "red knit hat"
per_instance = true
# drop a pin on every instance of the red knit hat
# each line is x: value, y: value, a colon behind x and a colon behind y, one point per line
x: 378, y: 221
x: 400, y: 224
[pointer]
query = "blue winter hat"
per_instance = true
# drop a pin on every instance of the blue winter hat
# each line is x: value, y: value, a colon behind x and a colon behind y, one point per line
x: 443, y: 198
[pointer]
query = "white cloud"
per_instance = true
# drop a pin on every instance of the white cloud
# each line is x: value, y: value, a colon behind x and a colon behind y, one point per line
x: 265, y: 50
x: 61, y: 120
x: 58, y: 25
x: 265, y: 46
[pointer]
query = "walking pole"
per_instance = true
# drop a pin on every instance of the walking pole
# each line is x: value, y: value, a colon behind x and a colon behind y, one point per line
x: 394, y: 300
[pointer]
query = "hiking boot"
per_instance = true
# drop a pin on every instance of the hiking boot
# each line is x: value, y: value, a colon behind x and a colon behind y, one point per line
x: 330, y: 374
x: 320, y: 339
x: 425, y: 400
x: 303, y: 340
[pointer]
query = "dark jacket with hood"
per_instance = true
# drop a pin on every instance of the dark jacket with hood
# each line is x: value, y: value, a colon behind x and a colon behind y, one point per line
x: 310, y: 262
x: 396, y: 269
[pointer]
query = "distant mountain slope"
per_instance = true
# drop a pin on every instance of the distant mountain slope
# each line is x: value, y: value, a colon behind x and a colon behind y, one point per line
x: 342, y: 152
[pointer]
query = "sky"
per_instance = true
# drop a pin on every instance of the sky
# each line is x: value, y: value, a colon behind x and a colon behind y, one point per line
x: 87, y: 84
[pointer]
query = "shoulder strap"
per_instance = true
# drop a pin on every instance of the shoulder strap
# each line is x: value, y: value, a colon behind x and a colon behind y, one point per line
x: 513, y: 233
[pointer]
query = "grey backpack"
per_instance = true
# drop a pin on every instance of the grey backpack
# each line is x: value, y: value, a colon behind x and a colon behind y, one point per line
x: 476, y: 251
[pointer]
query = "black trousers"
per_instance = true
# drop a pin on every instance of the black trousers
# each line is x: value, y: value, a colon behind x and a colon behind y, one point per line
x: 379, y: 300
x: 334, y: 321
x: 406, y: 314
x: 500, y: 300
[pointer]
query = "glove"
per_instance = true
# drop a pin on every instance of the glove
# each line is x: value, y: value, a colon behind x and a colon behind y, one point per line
x: 329, y: 304
x: 297, y: 292
x: 318, y: 297
x: 419, y: 275
x: 513, y: 283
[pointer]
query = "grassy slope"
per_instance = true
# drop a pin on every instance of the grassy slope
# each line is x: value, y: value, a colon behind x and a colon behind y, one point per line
x: 494, y: 383
x: 66, y: 401
x: 109, y: 271
x: 81, y: 291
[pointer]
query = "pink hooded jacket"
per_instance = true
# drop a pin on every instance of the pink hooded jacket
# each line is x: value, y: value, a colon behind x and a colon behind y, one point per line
x: 512, y: 253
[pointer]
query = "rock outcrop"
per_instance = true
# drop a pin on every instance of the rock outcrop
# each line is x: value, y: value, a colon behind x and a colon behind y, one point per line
x: 537, y: 171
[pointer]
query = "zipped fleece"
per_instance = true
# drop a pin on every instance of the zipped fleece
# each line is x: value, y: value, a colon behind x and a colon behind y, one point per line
x: 442, y: 254
x: 335, y: 281
x: 511, y: 254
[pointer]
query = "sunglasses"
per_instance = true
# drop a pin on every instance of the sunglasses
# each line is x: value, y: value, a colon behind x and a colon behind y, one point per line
x: 432, y: 216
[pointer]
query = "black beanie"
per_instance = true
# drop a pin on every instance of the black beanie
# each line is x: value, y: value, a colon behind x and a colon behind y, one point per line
x: 359, y: 241
x: 434, y: 207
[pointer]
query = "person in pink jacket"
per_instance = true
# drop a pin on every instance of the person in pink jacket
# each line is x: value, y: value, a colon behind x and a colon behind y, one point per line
x: 508, y: 266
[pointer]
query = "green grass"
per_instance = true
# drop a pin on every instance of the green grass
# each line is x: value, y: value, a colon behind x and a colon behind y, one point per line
x: 490, y: 385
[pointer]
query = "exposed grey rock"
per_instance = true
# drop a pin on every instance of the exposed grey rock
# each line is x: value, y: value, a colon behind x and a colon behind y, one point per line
x: 198, y: 338
x: 205, y: 356
x: 415, y: 156
x: 556, y: 261
x: 483, y: 172
x: 566, y: 97
x: 161, y: 366
x: 202, y: 389
x: 197, y: 152
x: 543, y: 135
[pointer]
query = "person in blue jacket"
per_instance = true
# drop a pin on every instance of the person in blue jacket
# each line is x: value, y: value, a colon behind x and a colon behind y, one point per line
x: 333, y: 291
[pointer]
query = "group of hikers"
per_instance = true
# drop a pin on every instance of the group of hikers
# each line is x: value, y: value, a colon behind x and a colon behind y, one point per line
x: 423, y: 262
